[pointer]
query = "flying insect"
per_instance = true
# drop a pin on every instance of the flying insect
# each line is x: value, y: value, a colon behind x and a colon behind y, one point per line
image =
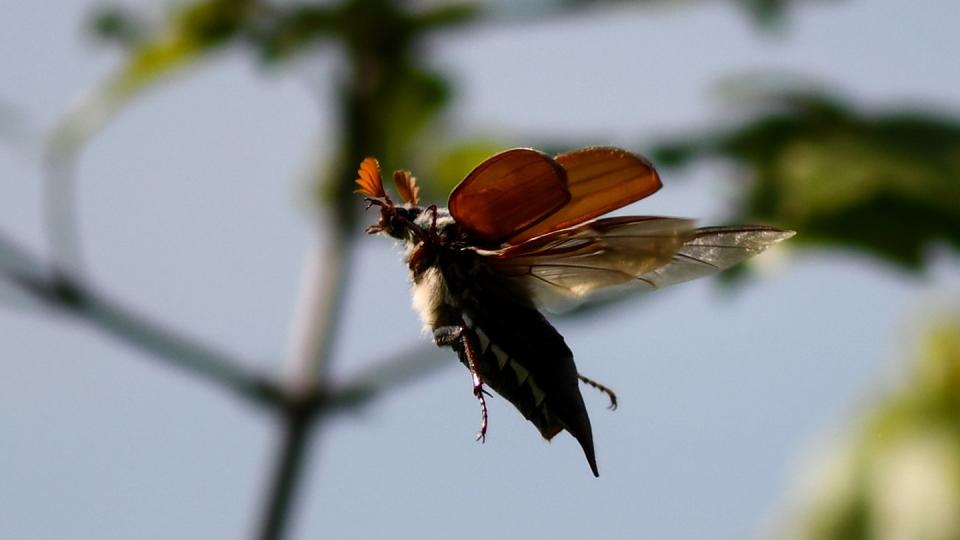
x: 523, y: 231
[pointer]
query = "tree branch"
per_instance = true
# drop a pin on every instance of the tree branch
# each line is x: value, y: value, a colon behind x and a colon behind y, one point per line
x: 314, y: 328
x: 297, y: 426
x: 388, y: 374
x: 66, y: 294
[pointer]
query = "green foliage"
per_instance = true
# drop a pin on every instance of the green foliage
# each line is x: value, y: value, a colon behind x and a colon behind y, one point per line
x: 887, y: 184
x: 397, y: 98
x: 294, y: 28
x: 453, y: 163
x: 764, y: 12
x: 118, y: 25
x: 388, y: 97
x: 190, y: 33
x: 899, y: 477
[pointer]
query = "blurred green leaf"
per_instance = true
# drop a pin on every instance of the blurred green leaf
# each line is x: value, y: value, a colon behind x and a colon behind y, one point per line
x: 197, y: 29
x: 293, y: 29
x: 446, y: 16
x: 286, y: 30
x: 765, y: 13
x: 453, y: 163
x: 884, y: 183
x: 389, y: 98
x: 118, y: 25
x: 415, y: 99
x: 191, y: 32
x: 898, y: 476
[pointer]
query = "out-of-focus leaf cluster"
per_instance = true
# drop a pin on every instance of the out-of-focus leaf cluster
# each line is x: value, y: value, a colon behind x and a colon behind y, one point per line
x: 886, y: 183
x: 403, y: 95
x: 764, y: 12
x: 899, y: 477
x: 276, y: 30
x: 388, y: 94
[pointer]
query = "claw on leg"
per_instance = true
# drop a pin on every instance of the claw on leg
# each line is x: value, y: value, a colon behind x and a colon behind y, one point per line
x: 478, y: 391
x: 462, y: 339
x: 472, y: 362
x: 602, y: 388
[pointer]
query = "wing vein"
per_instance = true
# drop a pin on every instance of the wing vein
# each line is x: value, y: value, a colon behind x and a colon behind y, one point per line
x: 696, y: 259
x: 647, y: 281
x: 583, y: 267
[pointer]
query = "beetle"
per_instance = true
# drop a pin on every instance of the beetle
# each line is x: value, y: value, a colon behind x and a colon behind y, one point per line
x: 522, y: 231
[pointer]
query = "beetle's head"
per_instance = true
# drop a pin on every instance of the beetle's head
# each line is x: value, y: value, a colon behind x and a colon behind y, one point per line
x: 395, y: 220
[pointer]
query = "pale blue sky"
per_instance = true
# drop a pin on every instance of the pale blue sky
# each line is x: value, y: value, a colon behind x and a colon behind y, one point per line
x: 190, y: 208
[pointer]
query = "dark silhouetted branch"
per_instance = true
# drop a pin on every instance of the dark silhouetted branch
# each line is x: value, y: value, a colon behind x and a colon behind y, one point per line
x: 387, y: 375
x: 70, y: 296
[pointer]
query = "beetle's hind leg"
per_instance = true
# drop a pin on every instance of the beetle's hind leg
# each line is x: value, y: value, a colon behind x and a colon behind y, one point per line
x: 602, y: 388
x: 464, y: 341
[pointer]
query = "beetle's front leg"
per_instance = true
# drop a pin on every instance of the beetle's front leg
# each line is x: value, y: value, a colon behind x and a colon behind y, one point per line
x: 464, y: 341
x: 448, y: 336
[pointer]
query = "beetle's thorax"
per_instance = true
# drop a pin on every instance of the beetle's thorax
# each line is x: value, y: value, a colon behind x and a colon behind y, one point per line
x: 434, y: 231
x: 427, y: 239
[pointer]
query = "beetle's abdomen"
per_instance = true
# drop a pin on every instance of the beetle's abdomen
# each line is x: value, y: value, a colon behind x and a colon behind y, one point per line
x: 525, y: 360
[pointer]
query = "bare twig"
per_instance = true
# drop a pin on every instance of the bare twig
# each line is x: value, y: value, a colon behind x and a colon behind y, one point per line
x: 71, y: 296
x: 31, y: 278
x: 388, y: 374
x: 297, y: 426
x: 315, y: 326
x: 76, y: 126
x: 322, y: 286
x: 301, y: 416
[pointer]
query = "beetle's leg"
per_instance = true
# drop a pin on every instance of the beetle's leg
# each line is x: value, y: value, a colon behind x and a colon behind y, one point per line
x: 602, y: 388
x: 461, y: 339
x: 433, y: 222
x: 470, y: 350
x: 447, y: 336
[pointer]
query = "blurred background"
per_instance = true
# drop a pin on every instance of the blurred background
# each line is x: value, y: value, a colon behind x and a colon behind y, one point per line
x: 199, y: 342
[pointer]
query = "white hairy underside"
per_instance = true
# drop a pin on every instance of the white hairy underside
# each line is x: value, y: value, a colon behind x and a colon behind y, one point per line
x: 430, y: 292
x: 429, y: 295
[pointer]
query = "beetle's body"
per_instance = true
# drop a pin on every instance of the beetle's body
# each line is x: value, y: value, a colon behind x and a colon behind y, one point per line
x: 521, y: 231
x: 519, y: 353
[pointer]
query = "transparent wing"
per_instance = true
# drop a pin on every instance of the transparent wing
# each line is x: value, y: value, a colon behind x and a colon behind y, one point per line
x: 616, y: 255
x: 714, y: 249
